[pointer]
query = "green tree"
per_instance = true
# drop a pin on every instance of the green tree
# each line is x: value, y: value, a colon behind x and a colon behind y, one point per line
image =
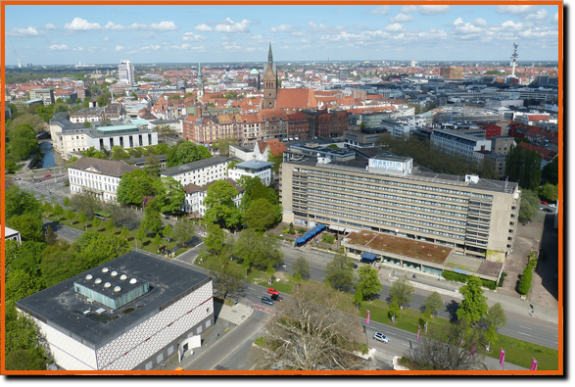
x: 549, y: 192
x: 227, y: 275
x: 87, y: 124
x: 368, y: 282
x: 158, y: 240
x: 257, y: 251
x: 214, y: 240
x: 96, y: 222
x: 401, y: 291
x: 270, y: 272
x: 301, y: 266
x: 496, y: 316
x: 23, y: 359
x: 394, y: 310
x: 21, y: 334
x: 526, y: 278
x: 152, y: 217
x: 83, y: 219
x: 433, y: 302
x: 167, y: 231
x: 97, y: 248
x: 30, y: 227
x: 184, y: 230
x: 124, y: 233
x: 134, y: 186
x: 277, y: 160
x: 45, y: 112
x: 18, y: 202
x: 152, y: 166
x: 528, y: 206
x: 170, y: 194
x: 67, y: 202
x: 58, y: 211
x: 20, y: 284
x: 339, y: 272
x: 70, y: 215
x: 358, y: 298
x: 474, y: 304
x: 51, y: 237
x: 110, y: 226
x: 261, y: 215
x: 550, y: 172
x: 118, y: 153
x: 141, y: 235
x: 220, y: 204
x: 85, y: 203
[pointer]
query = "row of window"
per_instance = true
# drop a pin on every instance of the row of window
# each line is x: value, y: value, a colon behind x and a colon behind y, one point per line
x: 107, y: 179
x: 397, y: 183
x: 400, y: 191
x: 403, y: 198
x: 389, y: 209
x: 393, y: 224
x: 403, y: 220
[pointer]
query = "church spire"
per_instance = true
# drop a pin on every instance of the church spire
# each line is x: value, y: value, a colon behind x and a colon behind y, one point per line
x: 270, y: 55
x: 199, y: 70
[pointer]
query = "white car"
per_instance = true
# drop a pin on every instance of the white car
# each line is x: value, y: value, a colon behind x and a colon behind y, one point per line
x: 551, y: 205
x: 381, y: 337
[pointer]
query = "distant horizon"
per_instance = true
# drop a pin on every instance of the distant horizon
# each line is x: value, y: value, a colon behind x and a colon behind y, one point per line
x: 46, y: 34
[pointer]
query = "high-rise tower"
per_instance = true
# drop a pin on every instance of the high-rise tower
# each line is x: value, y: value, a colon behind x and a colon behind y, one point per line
x: 514, y: 57
x: 270, y: 82
x: 200, y: 82
x: 126, y: 72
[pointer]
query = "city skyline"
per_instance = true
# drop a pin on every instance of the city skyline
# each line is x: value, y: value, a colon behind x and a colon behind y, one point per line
x: 189, y: 33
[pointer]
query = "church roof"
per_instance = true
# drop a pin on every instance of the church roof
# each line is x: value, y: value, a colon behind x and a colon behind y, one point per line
x: 296, y: 99
x: 254, y: 72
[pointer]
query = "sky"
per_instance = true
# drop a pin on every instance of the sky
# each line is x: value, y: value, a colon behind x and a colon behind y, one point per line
x: 106, y: 34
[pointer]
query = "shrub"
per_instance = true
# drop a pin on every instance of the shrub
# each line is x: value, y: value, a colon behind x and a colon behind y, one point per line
x: 503, y: 275
x: 525, y: 282
x: 326, y: 238
x: 453, y: 276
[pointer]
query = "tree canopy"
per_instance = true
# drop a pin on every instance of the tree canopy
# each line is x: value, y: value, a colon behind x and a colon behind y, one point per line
x: 220, y: 205
x: 18, y: 202
x: 368, y: 282
x: 186, y: 152
x: 474, y: 304
x: 339, y: 272
x: 134, y: 186
x: 524, y: 166
x: 528, y: 206
x: 170, y: 193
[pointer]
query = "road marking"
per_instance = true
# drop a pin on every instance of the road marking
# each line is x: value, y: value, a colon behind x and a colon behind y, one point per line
x: 524, y: 334
x: 407, y: 345
x: 524, y: 327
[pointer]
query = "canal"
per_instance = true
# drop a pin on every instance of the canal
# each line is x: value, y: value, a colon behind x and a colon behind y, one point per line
x: 51, y: 158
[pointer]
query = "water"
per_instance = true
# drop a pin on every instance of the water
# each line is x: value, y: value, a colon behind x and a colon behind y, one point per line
x: 48, y: 160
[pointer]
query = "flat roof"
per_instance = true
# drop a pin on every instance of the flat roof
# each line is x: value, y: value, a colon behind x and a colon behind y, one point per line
x: 195, y: 165
x: 254, y: 164
x: 62, y: 308
x: 409, y: 248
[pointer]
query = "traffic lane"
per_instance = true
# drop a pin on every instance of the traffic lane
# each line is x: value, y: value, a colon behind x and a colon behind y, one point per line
x: 316, y: 272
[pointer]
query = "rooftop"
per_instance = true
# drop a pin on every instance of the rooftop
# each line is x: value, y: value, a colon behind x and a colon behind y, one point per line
x: 195, y: 165
x: 255, y: 164
x: 405, y: 247
x: 62, y: 308
x: 105, y: 167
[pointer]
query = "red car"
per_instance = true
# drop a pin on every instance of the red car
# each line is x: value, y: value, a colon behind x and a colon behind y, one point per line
x: 273, y: 291
x: 48, y: 175
x: 545, y: 203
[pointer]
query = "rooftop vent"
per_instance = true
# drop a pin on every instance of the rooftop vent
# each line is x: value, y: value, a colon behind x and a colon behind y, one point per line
x: 123, y: 277
x: 117, y: 289
x: 107, y: 285
x: 87, y: 311
x: 105, y: 270
x: 133, y: 281
x: 100, y: 311
x: 98, y: 281
x: 114, y: 273
x: 89, y: 277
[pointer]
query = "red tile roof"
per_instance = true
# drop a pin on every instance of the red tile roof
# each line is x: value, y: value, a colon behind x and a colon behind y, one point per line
x: 546, y: 154
x: 296, y: 99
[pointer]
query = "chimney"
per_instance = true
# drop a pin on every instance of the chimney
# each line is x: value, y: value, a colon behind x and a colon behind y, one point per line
x: 482, y: 148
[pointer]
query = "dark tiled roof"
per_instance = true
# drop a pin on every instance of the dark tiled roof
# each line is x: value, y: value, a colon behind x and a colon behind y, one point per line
x: 191, y: 188
x: 195, y: 165
x: 105, y: 167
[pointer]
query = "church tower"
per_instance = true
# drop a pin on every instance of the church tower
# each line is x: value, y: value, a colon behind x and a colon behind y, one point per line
x: 200, y: 82
x: 270, y: 82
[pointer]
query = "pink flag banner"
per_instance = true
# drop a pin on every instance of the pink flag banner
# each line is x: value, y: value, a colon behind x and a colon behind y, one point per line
x: 473, y: 350
x: 418, y: 329
x: 533, y: 365
x: 502, y: 357
x: 367, y: 320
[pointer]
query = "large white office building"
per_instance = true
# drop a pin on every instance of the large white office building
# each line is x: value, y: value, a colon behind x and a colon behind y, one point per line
x: 199, y: 172
x: 457, y: 143
x: 126, y: 72
x: 99, y: 177
x: 253, y: 168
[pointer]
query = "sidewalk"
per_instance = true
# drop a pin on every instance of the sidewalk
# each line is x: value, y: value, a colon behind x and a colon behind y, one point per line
x: 510, y: 304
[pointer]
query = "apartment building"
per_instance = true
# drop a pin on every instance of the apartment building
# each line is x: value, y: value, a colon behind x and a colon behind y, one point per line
x: 45, y: 95
x: 87, y: 115
x: 199, y: 172
x: 454, y: 142
x: 126, y: 72
x: 387, y: 194
x: 253, y: 168
x: 98, y: 177
x: 195, y: 196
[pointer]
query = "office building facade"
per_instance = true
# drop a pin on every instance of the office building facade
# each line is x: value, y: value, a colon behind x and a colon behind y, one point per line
x: 126, y: 72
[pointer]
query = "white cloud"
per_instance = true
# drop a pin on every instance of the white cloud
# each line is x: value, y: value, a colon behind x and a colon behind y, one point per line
x: 79, y: 24
x: 106, y: 39
x: 186, y: 47
x: 479, y: 22
x: 164, y: 26
x: 50, y: 26
x: 458, y: 21
x: 230, y: 26
x: 203, y: 27
x: 191, y: 37
x: 151, y: 47
x: 409, y: 8
x: 516, y: 9
x: 233, y: 47
x: 395, y: 27
x: 282, y: 28
x: 539, y: 15
x: 58, y: 47
x: 119, y: 48
x: 321, y: 28
x: 401, y: 18
x: 383, y: 10
x: 30, y: 31
x: 339, y: 10
x: 433, y: 9
x: 556, y: 18
x: 511, y: 25
x: 78, y: 49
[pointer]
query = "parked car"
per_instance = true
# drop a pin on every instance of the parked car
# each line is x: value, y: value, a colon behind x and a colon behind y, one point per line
x: 380, y: 337
x: 540, y: 208
x: 355, y: 266
x: 48, y: 175
x: 273, y: 291
x: 266, y: 300
x: 276, y: 297
x: 544, y: 203
x: 17, y: 178
x: 552, y: 206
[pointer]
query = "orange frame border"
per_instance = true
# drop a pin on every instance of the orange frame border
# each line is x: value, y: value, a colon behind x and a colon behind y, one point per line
x: 559, y: 371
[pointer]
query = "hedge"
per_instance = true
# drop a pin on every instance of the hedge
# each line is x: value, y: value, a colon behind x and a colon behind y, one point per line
x: 453, y: 276
x: 526, y: 278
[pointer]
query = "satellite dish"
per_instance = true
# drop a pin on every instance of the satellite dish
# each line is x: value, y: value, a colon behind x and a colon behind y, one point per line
x: 117, y: 289
x: 105, y: 270
x: 98, y: 281
x: 133, y: 281
x: 123, y: 277
x: 107, y: 285
x: 89, y: 277
x: 114, y: 273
